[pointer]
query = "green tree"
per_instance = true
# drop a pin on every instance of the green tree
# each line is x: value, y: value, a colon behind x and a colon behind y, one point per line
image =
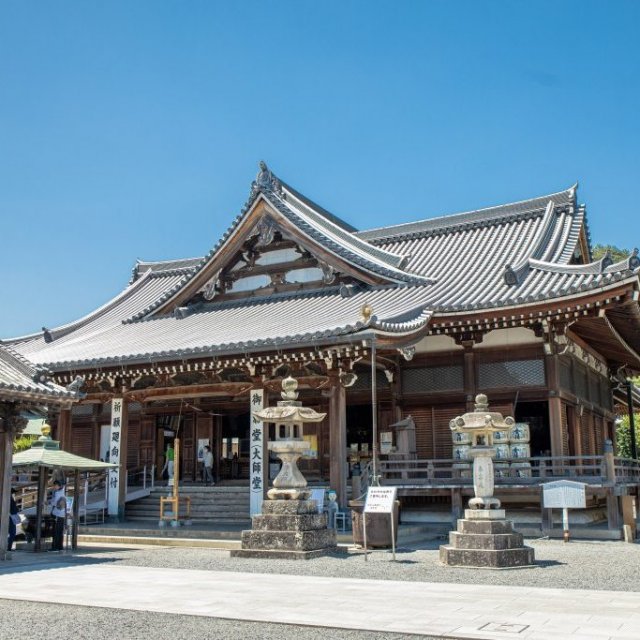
x: 617, y: 254
x: 22, y: 443
x: 623, y: 436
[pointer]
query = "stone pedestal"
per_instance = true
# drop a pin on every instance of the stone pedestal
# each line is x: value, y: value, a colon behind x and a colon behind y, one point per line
x: 290, y: 529
x: 484, y: 538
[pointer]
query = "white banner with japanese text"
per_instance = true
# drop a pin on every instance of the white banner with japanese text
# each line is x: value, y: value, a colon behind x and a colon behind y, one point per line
x: 256, y: 453
x: 114, y: 455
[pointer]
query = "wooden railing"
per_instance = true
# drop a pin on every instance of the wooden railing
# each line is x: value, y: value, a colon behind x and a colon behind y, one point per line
x: 597, y: 470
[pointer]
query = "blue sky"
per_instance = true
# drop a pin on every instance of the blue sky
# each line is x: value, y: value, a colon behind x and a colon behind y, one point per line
x: 133, y: 129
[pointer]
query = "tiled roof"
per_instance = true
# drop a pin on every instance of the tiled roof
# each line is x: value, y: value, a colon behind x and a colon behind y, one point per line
x: 478, y: 217
x: 227, y: 327
x: 19, y: 378
x: 514, y: 254
x: 148, y: 288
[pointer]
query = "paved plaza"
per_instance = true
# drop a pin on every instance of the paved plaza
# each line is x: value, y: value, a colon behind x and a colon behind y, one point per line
x: 196, y: 591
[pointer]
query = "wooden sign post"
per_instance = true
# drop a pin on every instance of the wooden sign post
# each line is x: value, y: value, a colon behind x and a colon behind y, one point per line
x: 565, y: 495
x: 380, y: 500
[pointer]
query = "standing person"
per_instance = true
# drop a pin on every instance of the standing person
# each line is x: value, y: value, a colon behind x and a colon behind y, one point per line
x: 208, y: 465
x: 14, y: 518
x: 168, y: 463
x: 58, y: 506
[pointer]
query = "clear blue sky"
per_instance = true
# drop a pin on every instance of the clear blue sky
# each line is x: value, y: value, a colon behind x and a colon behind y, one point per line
x: 133, y: 129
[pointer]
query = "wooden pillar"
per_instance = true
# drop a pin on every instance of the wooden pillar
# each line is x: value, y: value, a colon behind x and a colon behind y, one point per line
x: 124, y: 442
x: 64, y: 429
x: 555, y: 426
x: 469, y: 377
x: 6, y: 453
x: 338, y: 442
x: 555, y: 404
x: 41, y: 496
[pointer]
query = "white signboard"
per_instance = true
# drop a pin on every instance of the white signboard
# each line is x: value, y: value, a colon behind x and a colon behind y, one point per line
x: 114, y: 455
x: 256, y: 453
x: 380, y: 500
x: 564, y: 494
x: 386, y: 442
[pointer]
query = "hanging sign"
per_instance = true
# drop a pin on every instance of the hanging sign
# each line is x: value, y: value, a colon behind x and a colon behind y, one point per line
x: 256, y: 453
x: 114, y: 455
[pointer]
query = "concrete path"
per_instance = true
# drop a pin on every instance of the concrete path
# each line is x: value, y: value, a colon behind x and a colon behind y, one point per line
x: 448, y: 610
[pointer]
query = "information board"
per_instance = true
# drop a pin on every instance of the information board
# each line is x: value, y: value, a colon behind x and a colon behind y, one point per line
x: 380, y: 500
x: 564, y: 494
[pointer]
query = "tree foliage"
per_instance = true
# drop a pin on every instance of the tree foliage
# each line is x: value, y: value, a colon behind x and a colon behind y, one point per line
x: 22, y: 443
x: 617, y: 254
x: 623, y: 436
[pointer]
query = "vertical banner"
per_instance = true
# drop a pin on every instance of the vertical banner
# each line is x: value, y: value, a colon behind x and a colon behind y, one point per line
x: 256, y: 453
x: 114, y: 455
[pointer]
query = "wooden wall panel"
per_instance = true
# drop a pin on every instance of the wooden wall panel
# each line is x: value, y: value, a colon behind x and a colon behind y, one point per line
x: 82, y: 440
x: 133, y: 442
x: 147, y: 440
x: 423, y: 419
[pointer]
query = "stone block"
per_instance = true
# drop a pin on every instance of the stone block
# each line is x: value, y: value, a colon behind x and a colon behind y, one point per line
x: 484, y: 526
x: 485, y: 558
x: 304, y: 522
x: 271, y: 554
x: 289, y: 507
x: 289, y: 540
x: 490, y: 541
x: 485, y: 514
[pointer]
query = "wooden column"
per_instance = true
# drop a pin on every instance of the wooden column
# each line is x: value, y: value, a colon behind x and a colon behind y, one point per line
x: 555, y: 405
x: 555, y: 426
x: 469, y: 376
x: 124, y: 441
x: 6, y: 453
x: 338, y: 441
x: 64, y: 429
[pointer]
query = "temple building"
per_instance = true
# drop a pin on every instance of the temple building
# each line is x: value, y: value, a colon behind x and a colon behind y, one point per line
x: 504, y: 301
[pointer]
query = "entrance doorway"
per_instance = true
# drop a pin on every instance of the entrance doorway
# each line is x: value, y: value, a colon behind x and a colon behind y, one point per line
x: 359, y: 436
x: 536, y: 414
x: 234, y: 447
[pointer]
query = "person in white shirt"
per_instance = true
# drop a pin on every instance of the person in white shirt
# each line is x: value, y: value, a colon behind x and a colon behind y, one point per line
x: 58, y: 506
x: 208, y: 465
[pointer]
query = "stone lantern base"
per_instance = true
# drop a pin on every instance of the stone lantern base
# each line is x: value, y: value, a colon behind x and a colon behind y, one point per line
x: 290, y: 529
x: 486, y: 539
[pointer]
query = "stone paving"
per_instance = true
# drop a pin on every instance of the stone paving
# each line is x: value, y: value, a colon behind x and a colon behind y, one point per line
x: 391, y: 606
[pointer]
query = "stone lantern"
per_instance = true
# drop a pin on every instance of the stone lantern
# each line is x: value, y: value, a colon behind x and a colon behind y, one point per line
x: 290, y: 525
x: 289, y: 417
x: 484, y: 537
x: 481, y: 424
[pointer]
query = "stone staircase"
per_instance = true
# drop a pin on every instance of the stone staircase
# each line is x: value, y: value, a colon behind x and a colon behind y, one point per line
x: 219, y: 504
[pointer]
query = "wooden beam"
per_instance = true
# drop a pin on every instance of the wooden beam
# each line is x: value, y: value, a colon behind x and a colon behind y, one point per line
x: 338, y: 442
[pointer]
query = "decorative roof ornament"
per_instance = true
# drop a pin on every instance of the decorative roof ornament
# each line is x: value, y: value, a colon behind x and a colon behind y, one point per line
x: 328, y: 272
x: 607, y: 260
x: 267, y: 180
x: 634, y: 260
x: 407, y: 352
x: 212, y: 287
x: 510, y: 277
x: 266, y: 231
x: 366, y: 311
